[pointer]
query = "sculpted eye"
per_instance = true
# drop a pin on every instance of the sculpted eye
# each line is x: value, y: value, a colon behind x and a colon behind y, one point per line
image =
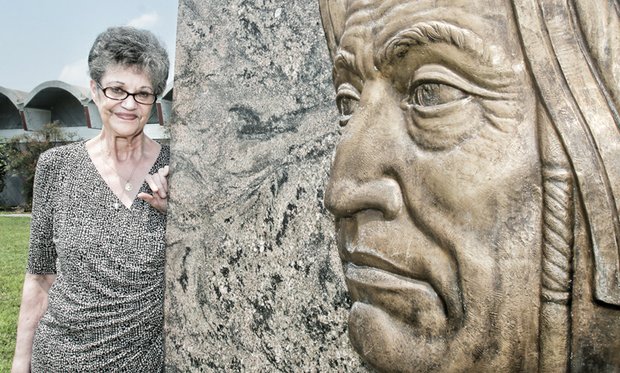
x: 347, y: 99
x: 434, y: 94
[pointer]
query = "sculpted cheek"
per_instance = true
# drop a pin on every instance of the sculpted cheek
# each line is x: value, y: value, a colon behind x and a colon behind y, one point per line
x: 444, y: 128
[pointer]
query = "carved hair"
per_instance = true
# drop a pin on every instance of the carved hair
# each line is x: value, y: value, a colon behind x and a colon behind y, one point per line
x: 557, y: 249
x: 578, y: 120
x: 578, y: 99
x: 558, y: 223
x: 558, y: 218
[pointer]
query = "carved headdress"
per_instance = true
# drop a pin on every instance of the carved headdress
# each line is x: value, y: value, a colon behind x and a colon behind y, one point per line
x: 573, y: 60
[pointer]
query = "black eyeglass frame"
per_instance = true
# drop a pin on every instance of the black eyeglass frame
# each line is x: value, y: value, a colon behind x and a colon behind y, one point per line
x: 127, y: 94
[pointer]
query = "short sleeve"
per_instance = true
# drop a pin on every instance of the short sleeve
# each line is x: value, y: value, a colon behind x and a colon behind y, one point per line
x: 42, y: 251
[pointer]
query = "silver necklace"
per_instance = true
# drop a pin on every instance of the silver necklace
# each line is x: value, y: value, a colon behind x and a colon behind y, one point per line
x: 128, y: 186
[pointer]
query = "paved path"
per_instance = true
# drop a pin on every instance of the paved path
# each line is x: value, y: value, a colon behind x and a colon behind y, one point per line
x: 16, y: 215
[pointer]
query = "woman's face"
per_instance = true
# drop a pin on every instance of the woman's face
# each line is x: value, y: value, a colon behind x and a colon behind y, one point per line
x: 127, y: 117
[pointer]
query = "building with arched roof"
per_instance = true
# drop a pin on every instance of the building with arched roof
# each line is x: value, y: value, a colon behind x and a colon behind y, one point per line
x: 57, y: 101
x: 11, y: 111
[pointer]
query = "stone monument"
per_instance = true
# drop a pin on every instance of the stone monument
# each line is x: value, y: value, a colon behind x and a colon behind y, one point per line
x: 476, y: 184
x: 254, y: 282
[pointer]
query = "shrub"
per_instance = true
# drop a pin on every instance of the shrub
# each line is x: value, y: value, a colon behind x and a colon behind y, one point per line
x: 23, y: 151
x: 4, y: 164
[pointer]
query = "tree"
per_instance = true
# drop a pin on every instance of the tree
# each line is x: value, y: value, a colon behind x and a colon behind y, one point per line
x: 23, y: 152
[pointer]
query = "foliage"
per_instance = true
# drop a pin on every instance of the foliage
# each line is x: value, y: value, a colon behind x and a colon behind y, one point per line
x: 4, y: 164
x: 14, y: 248
x: 23, y: 151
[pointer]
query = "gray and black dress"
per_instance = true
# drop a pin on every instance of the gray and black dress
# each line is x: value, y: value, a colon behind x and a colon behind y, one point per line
x: 105, y: 310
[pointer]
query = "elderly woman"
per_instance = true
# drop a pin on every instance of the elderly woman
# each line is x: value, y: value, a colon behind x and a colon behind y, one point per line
x: 93, y: 294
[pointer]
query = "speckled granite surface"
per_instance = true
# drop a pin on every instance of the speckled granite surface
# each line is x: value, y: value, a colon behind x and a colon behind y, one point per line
x: 254, y: 283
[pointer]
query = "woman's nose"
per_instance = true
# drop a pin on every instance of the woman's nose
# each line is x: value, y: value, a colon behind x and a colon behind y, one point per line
x: 129, y: 102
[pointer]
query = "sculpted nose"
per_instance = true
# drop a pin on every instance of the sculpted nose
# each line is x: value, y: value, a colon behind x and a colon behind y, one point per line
x: 345, y: 197
x: 367, y: 159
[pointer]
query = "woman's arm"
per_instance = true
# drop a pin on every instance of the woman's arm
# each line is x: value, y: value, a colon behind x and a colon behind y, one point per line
x: 34, y: 304
x: 42, y: 256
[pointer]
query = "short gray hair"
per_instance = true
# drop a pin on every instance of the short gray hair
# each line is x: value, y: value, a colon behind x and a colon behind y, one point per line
x: 130, y: 47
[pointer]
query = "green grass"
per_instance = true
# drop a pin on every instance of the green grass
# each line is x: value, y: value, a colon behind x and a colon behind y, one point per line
x: 14, y: 233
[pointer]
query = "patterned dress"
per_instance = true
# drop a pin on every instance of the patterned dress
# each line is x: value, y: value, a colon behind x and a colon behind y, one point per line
x: 105, y: 310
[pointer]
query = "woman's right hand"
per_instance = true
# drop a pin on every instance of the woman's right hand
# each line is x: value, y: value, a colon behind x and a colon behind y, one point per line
x: 158, y: 182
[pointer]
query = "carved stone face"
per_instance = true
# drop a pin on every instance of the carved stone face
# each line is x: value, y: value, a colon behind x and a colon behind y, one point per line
x: 436, y: 186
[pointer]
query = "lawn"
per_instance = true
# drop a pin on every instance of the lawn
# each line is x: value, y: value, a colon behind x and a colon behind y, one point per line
x: 14, y: 233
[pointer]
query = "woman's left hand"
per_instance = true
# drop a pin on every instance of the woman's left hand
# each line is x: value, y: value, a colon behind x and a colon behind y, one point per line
x: 159, y: 185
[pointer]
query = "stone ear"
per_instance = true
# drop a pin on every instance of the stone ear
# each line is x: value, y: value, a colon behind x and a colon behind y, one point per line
x: 333, y: 16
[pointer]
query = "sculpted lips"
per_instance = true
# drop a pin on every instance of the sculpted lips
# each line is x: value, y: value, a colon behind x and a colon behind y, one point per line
x: 409, y: 278
x: 413, y: 301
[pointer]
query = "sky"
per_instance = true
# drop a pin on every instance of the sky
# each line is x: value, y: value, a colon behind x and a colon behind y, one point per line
x: 43, y: 40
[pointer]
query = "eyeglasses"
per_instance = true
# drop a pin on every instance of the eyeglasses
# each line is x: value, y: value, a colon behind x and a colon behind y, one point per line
x: 119, y: 94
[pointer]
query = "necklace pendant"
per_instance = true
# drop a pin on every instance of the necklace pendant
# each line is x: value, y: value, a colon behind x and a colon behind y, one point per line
x: 128, y: 186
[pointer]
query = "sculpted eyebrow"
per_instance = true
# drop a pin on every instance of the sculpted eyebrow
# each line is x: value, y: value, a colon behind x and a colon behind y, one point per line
x: 345, y: 60
x: 431, y: 32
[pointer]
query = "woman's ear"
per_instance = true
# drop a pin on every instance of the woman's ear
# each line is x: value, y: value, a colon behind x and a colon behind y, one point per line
x: 93, y: 91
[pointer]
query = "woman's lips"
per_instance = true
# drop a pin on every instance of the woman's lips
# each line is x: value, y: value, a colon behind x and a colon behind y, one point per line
x: 414, y: 302
x: 126, y: 116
